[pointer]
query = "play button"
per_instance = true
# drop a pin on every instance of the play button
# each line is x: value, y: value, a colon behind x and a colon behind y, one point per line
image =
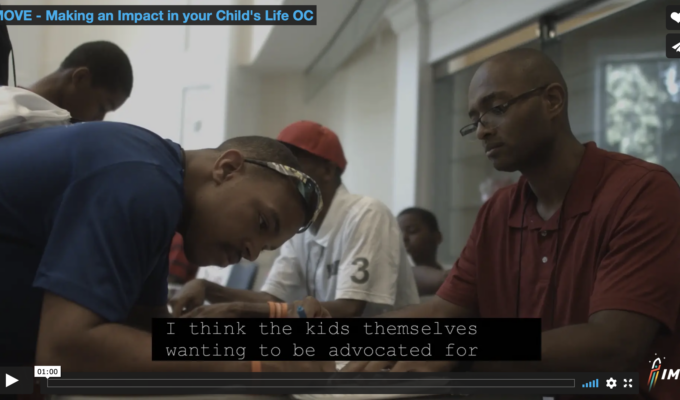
x: 10, y: 380
x: 18, y: 380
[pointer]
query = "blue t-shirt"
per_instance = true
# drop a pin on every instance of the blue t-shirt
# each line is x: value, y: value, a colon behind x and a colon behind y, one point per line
x: 87, y: 212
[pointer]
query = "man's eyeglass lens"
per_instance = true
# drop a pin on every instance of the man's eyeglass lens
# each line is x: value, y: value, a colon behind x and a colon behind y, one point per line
x: 490, y: 120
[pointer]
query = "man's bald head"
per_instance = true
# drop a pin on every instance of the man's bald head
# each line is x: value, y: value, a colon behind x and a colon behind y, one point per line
x: 528, y: 67
x: 521, y: 97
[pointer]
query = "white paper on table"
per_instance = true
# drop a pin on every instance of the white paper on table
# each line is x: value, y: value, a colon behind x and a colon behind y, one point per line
x: 214, y: 274
x: 340, y: 364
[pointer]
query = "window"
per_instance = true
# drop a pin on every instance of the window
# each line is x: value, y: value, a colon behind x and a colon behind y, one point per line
x: 639, y: 108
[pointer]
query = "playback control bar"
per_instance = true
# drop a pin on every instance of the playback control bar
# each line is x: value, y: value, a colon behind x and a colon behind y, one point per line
x: 340, y: 383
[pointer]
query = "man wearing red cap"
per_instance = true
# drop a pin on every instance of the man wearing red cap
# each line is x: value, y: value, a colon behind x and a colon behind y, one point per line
x: 352, y: 259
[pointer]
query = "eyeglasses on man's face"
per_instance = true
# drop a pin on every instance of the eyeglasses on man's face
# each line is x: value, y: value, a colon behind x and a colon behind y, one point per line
x: 493, y: 118
x: 308, y: 189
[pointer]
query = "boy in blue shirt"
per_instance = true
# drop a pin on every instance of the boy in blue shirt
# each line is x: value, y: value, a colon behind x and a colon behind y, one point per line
x: 87, y: 215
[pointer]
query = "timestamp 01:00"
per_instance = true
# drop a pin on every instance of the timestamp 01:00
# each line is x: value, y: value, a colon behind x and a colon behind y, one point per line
x: 50, y: 371
x: 47, y: 371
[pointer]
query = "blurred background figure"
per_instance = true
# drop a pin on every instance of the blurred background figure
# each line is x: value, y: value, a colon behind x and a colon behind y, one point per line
x: 422, y: 238
x: 181, y: 270
x: 93, y: 80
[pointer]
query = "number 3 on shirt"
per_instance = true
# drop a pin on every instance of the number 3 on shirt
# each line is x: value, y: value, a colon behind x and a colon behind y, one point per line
x: 361, y: 275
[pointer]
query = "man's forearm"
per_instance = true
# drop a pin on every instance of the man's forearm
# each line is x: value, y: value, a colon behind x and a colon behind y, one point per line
x: 215, y: 293
x: 572, y: 348
x: 119, y: 348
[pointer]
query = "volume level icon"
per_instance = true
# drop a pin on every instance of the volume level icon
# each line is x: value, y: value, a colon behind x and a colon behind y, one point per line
x: 592, y: 384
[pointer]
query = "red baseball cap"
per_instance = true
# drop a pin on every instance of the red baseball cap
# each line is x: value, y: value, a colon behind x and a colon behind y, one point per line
x: 316, y: 139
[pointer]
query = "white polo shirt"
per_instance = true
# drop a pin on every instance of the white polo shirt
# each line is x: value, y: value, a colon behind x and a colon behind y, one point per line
x: 356, y: 254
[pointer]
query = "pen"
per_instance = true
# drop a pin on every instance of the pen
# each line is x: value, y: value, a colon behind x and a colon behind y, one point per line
x: 301, y: 312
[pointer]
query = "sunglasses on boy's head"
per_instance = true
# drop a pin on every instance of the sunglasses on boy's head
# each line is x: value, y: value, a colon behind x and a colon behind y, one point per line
x: 305, y: 185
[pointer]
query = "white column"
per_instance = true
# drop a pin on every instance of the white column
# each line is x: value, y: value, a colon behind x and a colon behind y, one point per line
x: 409, y: 21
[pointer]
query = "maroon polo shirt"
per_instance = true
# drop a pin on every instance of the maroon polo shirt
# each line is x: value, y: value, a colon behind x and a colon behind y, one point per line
x: 614, y: 245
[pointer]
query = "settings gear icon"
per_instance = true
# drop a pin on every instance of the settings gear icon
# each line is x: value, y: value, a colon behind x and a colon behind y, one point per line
x: 611, y: 383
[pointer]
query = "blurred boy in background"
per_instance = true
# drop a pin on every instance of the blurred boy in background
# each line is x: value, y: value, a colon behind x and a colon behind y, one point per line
x: 181, y: 270
x: 422, y: 237
x: 93, y: 80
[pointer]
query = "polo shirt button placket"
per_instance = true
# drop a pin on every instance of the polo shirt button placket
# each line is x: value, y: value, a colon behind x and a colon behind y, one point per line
x: 544, y: 233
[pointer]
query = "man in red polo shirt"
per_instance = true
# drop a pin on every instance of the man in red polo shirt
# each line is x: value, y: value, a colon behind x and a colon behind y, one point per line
x: 588, y: 240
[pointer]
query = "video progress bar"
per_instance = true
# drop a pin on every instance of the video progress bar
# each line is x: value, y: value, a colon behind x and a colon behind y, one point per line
x: 469, y: 383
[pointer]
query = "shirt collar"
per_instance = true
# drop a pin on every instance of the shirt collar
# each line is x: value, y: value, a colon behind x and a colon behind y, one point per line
x: 581, y: 193
x: 332, y: 219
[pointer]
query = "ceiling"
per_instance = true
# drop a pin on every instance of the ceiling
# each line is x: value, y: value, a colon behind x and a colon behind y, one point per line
x: 294, y: 48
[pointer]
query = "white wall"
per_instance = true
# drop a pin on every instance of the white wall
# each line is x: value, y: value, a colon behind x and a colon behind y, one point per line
x: 28, y: 43
x: 358, y: 104
x: 260, y: 33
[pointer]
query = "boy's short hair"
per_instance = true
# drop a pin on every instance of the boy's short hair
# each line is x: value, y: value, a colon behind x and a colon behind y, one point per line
x: 428, y: 218
x: 109, y: 65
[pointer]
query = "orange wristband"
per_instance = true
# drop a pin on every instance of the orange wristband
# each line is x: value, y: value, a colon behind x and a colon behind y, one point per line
x: 256, y: 366
x: 284, y: 310
x: 272, y: 309
x: 278, y: 310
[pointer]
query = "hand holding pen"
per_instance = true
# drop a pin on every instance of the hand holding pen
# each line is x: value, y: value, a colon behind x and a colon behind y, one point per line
x: 307, y: 308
